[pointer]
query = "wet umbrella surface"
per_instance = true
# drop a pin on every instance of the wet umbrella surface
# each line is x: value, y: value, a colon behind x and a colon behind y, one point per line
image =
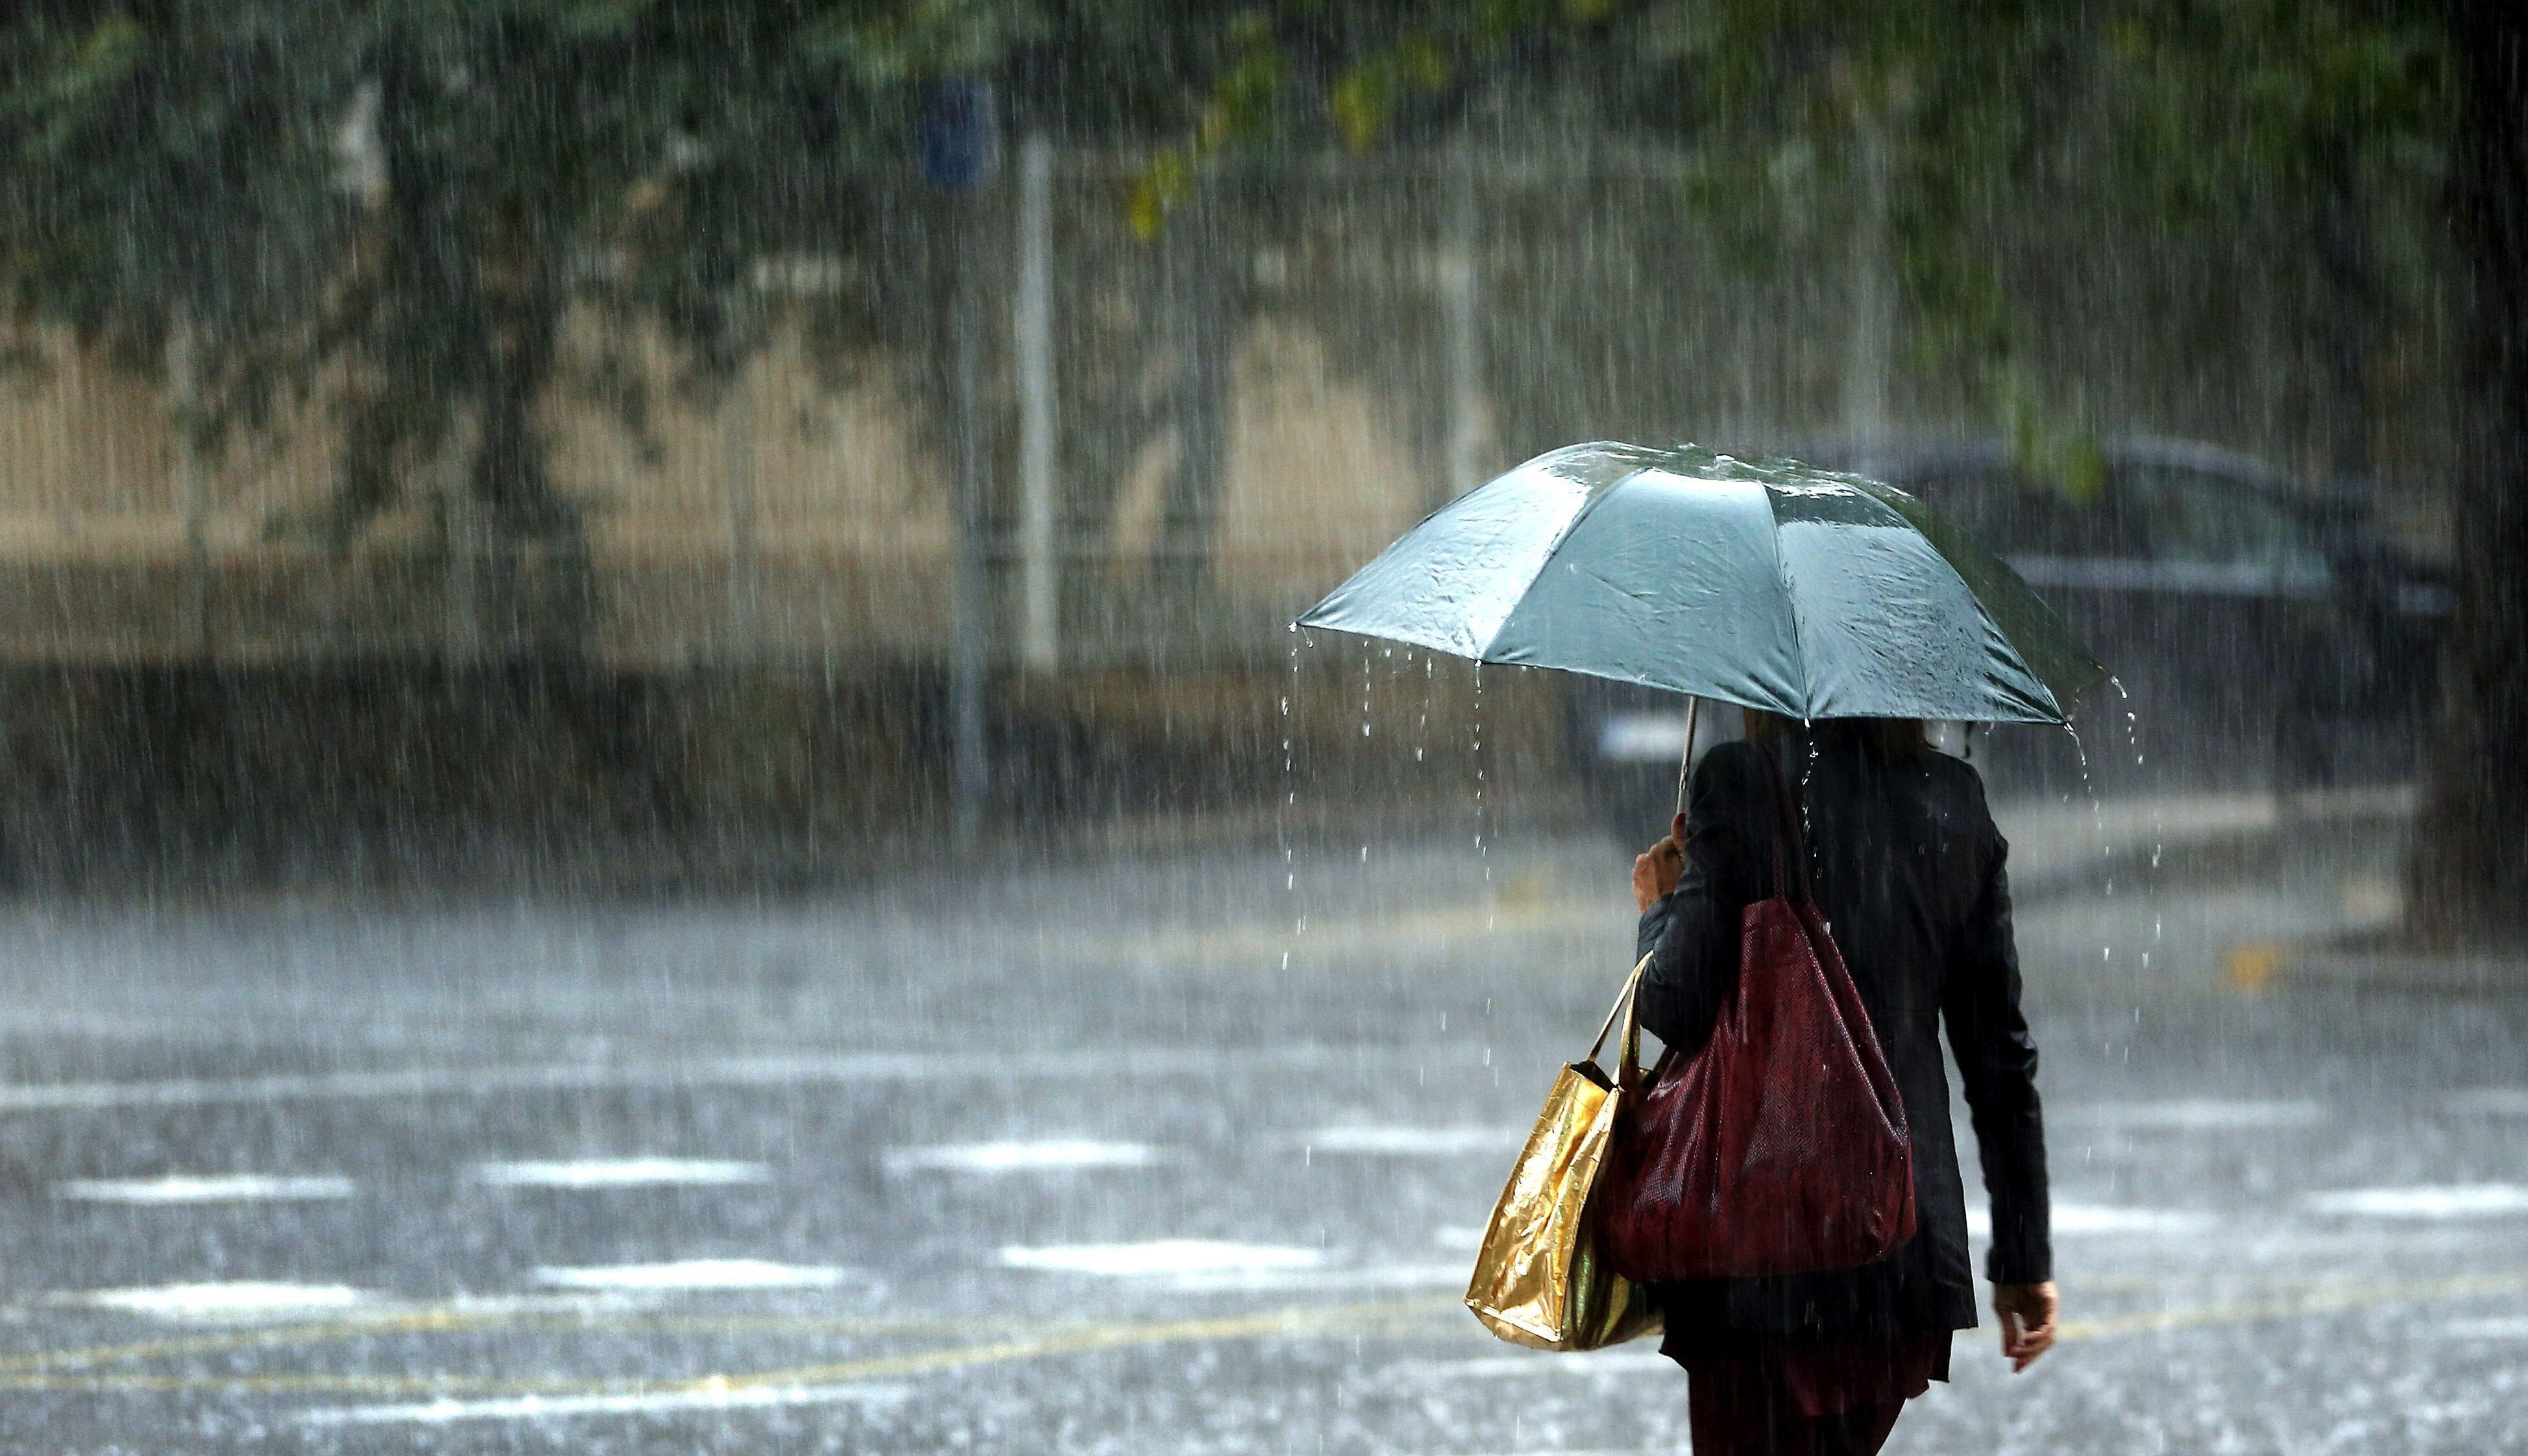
x: 1768, y: 584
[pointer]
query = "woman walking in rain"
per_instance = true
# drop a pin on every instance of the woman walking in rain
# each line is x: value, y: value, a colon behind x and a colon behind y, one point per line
x: 1771, y: 583
x: 1908, y: 872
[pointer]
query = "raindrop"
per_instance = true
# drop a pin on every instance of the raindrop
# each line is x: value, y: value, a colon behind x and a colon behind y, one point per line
x: 2097, y: 809
x: 1364, y: 689
x: 1808, y: 774
x: 2133, y: 741
x: 1482, y: 808
x: 1289, y: 798
x: 1422, y: 724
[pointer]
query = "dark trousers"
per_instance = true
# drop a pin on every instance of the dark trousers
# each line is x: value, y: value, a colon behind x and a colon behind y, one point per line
x: 1735, y: 1410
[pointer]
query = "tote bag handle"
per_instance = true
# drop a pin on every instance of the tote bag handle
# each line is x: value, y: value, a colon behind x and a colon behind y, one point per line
x: 1625, y: 1006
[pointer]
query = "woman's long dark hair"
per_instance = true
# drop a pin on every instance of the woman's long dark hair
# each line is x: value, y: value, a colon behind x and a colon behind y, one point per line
x: 1887, y: 739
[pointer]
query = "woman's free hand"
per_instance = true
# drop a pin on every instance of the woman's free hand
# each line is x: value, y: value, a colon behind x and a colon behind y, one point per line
x: 2026, y: 1314
x: 1655, y: 871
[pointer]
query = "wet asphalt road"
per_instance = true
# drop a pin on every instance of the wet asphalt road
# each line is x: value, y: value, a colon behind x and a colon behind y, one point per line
x: 1076, y: 1159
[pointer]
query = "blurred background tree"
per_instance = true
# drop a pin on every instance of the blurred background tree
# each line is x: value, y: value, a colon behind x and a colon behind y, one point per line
x: 392, y: 205
x: 395, y: 205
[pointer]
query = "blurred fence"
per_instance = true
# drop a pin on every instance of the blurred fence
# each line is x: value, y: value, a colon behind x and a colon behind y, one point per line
x: 747, y: 650
x: 1187, y: 438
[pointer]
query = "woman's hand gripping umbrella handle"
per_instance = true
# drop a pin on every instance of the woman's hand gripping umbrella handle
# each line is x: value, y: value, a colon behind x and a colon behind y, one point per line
x: 1685, y: 761
x: 1655, y: 871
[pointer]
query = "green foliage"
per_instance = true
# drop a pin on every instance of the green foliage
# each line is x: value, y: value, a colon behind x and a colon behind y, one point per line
x: 406, y: 196
x: 2215, y: 97
x: 1782, y: 106
x: 1977, y: 110
x: 1365, y: 62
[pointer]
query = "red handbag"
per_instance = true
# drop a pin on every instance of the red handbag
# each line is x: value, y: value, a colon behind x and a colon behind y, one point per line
x: 1781, y: 1146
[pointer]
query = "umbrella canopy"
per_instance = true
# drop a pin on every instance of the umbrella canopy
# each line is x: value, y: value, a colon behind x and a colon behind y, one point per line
x: 1765, y: 583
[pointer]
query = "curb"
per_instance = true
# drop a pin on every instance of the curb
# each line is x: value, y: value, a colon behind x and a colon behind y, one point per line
x: 2247, y: 835
x: 2364, y: 962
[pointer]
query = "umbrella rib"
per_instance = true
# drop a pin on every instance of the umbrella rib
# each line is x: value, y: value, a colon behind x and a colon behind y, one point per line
x: 1974, y: 599
x: 1588, y: 507
x: 1790, y: 602
x: 1994, y: 629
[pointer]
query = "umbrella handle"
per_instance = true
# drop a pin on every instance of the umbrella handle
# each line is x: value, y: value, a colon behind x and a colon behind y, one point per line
x: 1685, y: 763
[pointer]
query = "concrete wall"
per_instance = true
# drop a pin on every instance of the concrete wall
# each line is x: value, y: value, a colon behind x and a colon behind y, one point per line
x: 787, y: 523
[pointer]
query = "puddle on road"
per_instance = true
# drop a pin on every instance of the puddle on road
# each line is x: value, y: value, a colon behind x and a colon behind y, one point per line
x: 619, y: 1172
x: 2091, y: 1217
x: 2508, y: 1328
x: 1047, y: 1155
x: 1415, y: 1142
x: 2193, y: 1114
x: 715, y: 1396
x: 1163, y: 1258
x: 243, y: 1187
x: 1210, y: 1267
x: 2448, y: 1201
x: 242, y: 1300
x: 696, y: 1274
x: 1496, y: 1367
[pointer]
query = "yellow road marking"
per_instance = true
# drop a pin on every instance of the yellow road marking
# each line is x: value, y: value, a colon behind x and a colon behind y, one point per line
x: 442, y: 1319
x: 303, y: 1385
x: 44, y: 1371
x: 1339, y: 1318
x: 285, y: 1336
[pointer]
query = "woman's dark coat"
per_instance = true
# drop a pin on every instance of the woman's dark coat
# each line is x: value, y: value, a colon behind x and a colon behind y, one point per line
x: 1908, y: 870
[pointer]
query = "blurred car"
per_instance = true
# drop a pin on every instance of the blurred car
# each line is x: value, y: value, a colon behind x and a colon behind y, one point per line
x: 2266, y: 631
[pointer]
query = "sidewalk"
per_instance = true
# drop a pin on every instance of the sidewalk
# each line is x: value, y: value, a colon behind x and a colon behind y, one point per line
x: 2062, y: 846
x: 2375, y: 964
x: 1425, y: 895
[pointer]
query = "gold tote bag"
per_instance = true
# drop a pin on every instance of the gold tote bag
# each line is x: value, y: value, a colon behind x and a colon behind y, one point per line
x: 1539, y: 1279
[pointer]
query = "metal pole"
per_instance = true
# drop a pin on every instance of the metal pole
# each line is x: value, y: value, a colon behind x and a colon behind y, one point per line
x: 965, y: 582
x: 1685, y: 763
x: 1460, y: 287
x: 1031, y: 324
x: 958, y: 153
